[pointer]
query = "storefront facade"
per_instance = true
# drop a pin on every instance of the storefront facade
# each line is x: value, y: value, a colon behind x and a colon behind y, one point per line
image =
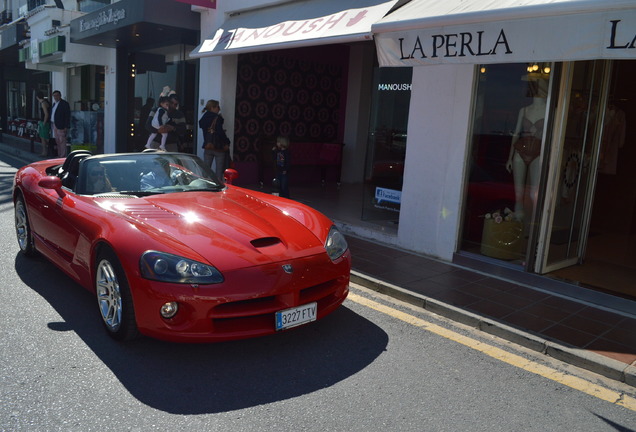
x: 307, y: 71
x: 79, y: 73
x: 19, y: 109
x: 109, y: 59
x: 518, y: 157
x: 147, y: 44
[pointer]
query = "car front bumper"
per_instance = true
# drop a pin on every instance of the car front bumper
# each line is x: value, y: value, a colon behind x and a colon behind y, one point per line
x: 244, y: 305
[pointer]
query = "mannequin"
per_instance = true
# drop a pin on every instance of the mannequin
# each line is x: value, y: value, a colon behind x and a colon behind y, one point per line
x: 613, y: 139
x: 525, y: 165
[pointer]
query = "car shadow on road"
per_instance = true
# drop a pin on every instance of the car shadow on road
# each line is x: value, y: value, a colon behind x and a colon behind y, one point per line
x: 213, y: 378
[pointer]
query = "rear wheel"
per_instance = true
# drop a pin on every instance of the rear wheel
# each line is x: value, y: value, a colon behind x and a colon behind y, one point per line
x: 23, y: 227
x: 113, y: 297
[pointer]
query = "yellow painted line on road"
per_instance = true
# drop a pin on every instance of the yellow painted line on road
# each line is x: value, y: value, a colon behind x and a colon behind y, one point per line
x: 580, y: 384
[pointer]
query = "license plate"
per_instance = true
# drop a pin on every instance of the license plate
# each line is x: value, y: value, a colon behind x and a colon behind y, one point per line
x: 296, y: 316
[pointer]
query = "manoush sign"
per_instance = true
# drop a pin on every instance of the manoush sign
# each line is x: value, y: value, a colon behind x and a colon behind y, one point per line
x: 599, y: 35
x: 302, y: 23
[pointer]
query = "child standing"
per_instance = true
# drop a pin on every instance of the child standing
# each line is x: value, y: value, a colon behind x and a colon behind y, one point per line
x: 160, y: 119
x: 282, y: 161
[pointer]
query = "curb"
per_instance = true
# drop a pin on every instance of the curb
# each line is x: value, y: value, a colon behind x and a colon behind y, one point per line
x: 578, y: 357
x: 18, y: 153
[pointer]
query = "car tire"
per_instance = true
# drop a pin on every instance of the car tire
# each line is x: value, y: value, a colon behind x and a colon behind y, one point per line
x: 114, y: 300
x: 23, y: 228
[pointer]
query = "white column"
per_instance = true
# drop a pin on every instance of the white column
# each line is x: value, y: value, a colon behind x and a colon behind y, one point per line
x: 217, y: 77
x: 435, y: 159
x: 59, y: 81
x: 110, y: 101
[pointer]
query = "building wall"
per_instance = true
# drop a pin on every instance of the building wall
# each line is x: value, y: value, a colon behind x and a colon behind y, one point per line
x: 439, y: 117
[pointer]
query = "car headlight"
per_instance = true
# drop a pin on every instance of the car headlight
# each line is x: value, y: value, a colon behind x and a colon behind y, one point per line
x: 336, y: 245
x: 166, y: 267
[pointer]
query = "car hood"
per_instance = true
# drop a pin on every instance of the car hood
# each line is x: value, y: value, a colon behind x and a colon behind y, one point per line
x: 230, y: 229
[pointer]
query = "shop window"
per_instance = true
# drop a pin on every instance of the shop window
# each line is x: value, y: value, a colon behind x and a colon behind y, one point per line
x: 16, y: 99
x: 151, y: 75
x: 86, y: 96
x: 384, y: 170
x: 504, y: 164
x: 19, y: 122
x: 32, y: 4
x: 91, y: 5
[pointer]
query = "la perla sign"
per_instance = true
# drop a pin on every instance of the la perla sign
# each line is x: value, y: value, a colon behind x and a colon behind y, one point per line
x: 617, y: 40
x: 569, y: 37
x: 110, y: 16
x: 455, y: 45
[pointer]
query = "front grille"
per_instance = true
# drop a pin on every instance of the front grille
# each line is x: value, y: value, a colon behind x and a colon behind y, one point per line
x: 258, y: 313
x: 317, y: 292
x: 249, y: 307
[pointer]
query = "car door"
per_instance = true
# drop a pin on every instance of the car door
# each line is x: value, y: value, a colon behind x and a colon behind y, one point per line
x: 63, y: 217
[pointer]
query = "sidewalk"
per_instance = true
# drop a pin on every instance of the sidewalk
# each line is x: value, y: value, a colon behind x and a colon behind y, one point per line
x: 578, y: 333
x: 21, y: 148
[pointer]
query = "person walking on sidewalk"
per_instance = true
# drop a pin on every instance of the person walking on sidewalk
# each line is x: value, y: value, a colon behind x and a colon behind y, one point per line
x: 44, y: 125
x: 61, y: 122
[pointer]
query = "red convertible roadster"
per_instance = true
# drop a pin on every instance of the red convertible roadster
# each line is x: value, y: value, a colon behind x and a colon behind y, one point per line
x: 173, y: 253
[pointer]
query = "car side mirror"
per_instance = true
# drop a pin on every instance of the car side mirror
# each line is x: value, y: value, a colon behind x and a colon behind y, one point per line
x: 51, y: 182
x: 229, y: 175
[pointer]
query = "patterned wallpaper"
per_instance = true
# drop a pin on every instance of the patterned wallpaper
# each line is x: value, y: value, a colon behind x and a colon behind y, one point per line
x: 294, y: 93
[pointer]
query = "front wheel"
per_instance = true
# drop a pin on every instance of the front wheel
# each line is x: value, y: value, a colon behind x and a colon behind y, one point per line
x: 23, y: 228
x: 113, y: 297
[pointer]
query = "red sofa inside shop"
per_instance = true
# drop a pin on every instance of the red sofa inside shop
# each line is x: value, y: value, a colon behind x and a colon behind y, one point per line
x: 312, y: 163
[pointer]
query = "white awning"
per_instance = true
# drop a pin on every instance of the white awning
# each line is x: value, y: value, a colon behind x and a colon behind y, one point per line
x: 295, y: 24
x: 506, y: 31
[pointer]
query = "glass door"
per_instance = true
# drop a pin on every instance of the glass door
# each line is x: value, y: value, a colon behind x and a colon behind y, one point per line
x: 386, y: 148
x: 573, y: 164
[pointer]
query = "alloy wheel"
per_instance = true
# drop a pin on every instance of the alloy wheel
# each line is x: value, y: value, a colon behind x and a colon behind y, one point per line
x: 109, y: 295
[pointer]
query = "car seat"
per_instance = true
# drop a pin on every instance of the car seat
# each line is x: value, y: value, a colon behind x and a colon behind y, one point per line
x: 70, y: 169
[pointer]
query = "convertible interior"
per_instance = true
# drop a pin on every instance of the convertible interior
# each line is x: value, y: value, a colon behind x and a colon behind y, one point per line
x: 123, y: 172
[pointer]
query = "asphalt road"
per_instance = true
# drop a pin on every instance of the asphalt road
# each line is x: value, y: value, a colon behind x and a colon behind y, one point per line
x: 373, y: 365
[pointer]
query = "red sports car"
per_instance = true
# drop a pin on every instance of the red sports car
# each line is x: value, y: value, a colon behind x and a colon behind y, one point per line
x: 173, y: 253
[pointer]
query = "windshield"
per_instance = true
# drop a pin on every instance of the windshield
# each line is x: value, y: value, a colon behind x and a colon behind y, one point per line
x: 145, y: 174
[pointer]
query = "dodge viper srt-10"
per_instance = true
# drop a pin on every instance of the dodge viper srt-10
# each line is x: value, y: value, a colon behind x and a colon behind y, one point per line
x: 172, y: 252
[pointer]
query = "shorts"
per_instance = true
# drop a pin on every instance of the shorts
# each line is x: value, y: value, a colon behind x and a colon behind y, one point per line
x: 44, y: 130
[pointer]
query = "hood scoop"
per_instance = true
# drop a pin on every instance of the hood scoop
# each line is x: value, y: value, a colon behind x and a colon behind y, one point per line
x: 270, y: 246
x: 266, y: 242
